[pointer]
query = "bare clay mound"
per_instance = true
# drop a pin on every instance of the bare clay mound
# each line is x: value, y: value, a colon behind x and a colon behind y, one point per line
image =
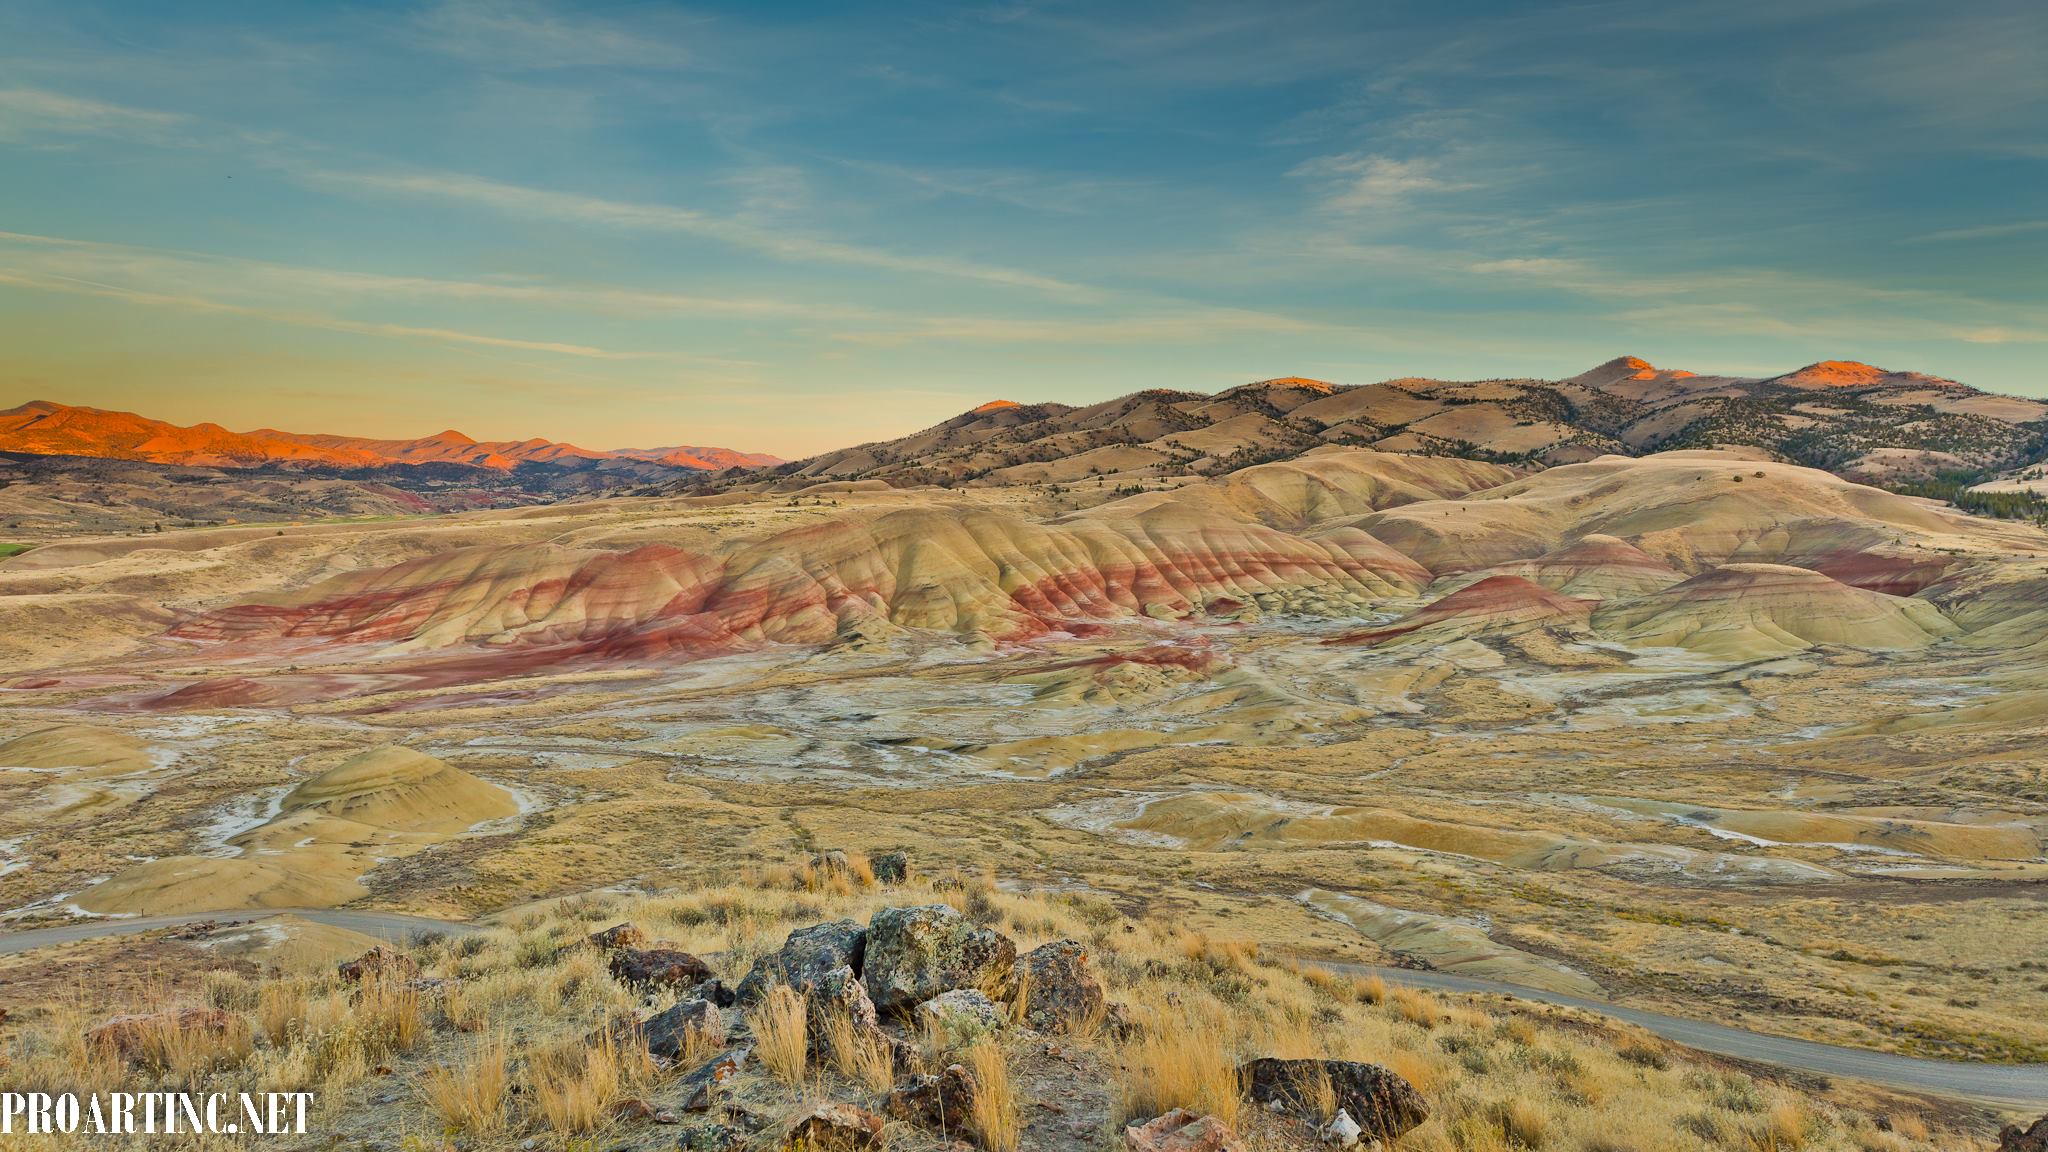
x: 1757, y: 611
x: 379, y: 805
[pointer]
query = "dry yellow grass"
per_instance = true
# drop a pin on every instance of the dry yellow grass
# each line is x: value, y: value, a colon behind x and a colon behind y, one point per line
x: 861, y: 1057
x: 1497, y: 1078
x: 780, y: 1040
x: 1416, y: 1007
x: 469, y: 1094
x: 1176, y: 1061
x: 995, y: 1100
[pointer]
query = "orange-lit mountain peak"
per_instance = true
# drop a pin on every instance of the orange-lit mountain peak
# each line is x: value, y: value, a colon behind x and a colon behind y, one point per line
x: 1305, y: 382
x: 1841, y: 373
x: 995, y: 406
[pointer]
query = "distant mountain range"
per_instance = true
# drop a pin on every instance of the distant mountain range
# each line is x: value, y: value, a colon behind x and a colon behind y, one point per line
x: 1853, y: 419
x: 45, y: 429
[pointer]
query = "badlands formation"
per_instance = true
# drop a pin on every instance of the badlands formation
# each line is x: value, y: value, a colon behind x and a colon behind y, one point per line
x: 1697, y: 731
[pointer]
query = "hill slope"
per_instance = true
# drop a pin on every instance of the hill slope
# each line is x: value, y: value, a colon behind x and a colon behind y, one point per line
x: 42, y: 428
x: 1853, y: 419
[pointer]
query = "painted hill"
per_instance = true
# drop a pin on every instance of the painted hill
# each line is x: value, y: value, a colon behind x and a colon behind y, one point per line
x: 1853, y: 419
x: 48, y: 429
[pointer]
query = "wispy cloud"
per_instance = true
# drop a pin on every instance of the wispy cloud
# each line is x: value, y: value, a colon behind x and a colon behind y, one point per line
x: 136, y: 276
x: 1986, y: 231
x: 25, y: 112
x: 1357, y: 182
x: 1196, y: 325
x: 517, y: 200
x: 532, y: 35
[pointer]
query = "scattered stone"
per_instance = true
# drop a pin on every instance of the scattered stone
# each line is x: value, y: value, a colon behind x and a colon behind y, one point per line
x: 664, y: 1116
x: 634, y: 1109
x: 943, y: 1103
x: 1062, y: 993
x: 668, y: 1032
x: 914, y: 954
x: 699, y: 1085
x: 961, y: 1014
x: 129, y: 1036
x: 658, y: 968
x: 197, y: 930
x: 1182, y: 1131
x: 831, y: 862
x: 709, y: 1136
x: 805, y: 957
x: 834, y: 1128
x: 891, y: 867
x: 379, y: 963
x: 1342, y: 1130
x: 2034, y: 1139
x: 1382, y: 1103
x: 618, y: 936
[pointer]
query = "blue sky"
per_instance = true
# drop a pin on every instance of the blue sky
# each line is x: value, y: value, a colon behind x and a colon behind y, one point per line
x: 792, y: 227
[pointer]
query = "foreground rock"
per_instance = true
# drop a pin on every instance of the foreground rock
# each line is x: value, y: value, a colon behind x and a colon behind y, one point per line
x: 2034, y: 1139
x: 617, y: 936
x: 1061, y: 992
x: 701, y: 1084
x: 833, y: 1128
x: 840, y: 993
x: 658, y: 968
x: 943, y: 1103
x: 891, y: 868
x: 690, y: 1023
x: 805, y: 958
x: 379, y: 963
x: 914, y: 954
x: 1182, y: 1131
x: 960, y: 1015
x: 1383, y: 1105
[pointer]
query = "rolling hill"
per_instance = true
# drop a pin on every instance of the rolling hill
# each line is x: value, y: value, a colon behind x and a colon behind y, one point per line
x: 1856, y: 420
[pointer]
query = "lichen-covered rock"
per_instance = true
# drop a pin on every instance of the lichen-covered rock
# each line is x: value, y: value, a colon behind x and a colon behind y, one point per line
x: 379, y: 963
x: 805, y: 957
x: 700, y: 1084
x: 1383, y: 1104
x: 1182, y: 1131
x: 833, y: 1128
x: 709, y: 1136
x: 840, y: 993
x: 2033, y: 1139
x: 658, y: 968
x: 914, y: 954
x: 617, y: 936
x: 1060, y: 989
x: 942, y: 1103
x: 891, y: 867
x: 960, y: 1015
x: 668, y: 1033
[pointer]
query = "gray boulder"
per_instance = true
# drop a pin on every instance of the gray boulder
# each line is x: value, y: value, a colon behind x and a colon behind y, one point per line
x: 805, y: 957
x: 667, y: 1032
x: 1383, y: 1104
x: 960, y: 1015
x: 914, y: 954
x: 891, y: 867
x: 1060, y: 987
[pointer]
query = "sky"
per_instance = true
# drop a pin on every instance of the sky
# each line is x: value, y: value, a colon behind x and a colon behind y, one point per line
x: 793, y: 227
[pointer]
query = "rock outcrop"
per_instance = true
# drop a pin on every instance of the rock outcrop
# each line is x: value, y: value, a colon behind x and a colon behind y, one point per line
x: 1061, y: 991
x: 1182, y: 1131
x: 806, y: 957
x: 1382, y: 1103
x: 914, y: 954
